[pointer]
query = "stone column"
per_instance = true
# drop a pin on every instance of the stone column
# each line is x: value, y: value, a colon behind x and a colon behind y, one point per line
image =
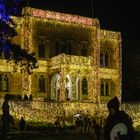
x: 26, y: 83
x: 26, y: 44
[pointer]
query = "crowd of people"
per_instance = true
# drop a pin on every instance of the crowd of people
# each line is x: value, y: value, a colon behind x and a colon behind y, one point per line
x: 117, y: 126
x: 90, y: 125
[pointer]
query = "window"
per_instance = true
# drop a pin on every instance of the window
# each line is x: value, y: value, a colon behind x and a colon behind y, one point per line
x: 105, y: 86
x: 41, y: 83
x: 84, y: 48
x: 42, y: 43
x: 60, y: 46
x: 4, y: 83
x: 105, y: 58
x: 41, y: 51
x: 101, y: 59
x: 63, y: 45
x: 107, y: 89
x: 68, y: 92
x: 84, y: 86
x: 102, y: 88
x: 84, y: 51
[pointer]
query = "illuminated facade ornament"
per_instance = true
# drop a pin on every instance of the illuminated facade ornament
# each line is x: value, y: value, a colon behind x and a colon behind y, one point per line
x: 79, y: 63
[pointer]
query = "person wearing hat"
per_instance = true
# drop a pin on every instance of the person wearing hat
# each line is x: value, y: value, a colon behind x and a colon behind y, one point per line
x: 119, y: 124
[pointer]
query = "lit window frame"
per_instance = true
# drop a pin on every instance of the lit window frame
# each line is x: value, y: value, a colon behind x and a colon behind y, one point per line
x: 104, y: 85
x: 38, y: 83
x: 105, y: 62
x: 2, y: 82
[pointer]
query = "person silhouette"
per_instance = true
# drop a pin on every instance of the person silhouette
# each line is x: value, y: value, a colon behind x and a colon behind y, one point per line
x: 118, y: 121
x: 6, y: 118
x: 22, y: 124
x: 30, y: 97
x: 5, y: 105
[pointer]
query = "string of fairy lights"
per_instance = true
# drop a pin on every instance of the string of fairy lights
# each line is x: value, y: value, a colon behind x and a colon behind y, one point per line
x: 41, y: 111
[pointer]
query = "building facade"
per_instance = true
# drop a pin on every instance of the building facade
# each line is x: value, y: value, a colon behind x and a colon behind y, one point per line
x: 78, y: 61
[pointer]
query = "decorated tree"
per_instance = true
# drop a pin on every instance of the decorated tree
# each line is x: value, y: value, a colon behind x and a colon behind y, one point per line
x: 13, y: 52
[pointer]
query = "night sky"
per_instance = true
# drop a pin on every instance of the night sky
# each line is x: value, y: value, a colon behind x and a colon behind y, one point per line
x: 116, y: 15
x: 113, y: 14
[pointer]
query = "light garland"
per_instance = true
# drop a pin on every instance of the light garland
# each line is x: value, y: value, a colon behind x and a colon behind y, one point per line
x: 82, y: 67
x: 59, y: 16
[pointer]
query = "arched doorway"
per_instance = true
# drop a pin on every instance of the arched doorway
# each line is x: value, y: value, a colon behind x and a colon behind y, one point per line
x: 55, y: 86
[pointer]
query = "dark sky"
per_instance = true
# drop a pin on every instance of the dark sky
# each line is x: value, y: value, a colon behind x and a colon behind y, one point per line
x: 116, y: 15
x: 113, y: 14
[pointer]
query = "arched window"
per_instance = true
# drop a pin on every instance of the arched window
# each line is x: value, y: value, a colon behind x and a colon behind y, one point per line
x: 4, y: 83
x: 105, y: 57
x: 42, y: 43
x: 55, y: 86
x: 84, y: 48
x: 68, y: 90
x: 41, y: 83
x: 84, y: 86
x: 105, y: 87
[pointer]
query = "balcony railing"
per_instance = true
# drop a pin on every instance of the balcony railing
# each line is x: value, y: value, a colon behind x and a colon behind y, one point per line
x: 71, y: 59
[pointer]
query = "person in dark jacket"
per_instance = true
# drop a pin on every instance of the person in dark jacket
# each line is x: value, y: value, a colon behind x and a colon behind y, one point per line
x: 6, y: 118
x: 118, y: 119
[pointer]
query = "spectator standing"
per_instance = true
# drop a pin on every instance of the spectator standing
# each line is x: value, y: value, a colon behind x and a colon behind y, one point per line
x: 22, y: 124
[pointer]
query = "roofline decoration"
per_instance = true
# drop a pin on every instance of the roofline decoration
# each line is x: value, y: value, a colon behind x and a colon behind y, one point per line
x: 59, y: 16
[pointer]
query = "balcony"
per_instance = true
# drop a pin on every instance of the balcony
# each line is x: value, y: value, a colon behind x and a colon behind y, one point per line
x: 70, y: 59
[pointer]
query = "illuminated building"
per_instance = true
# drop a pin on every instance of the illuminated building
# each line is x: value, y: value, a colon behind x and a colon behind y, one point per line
x: 78, y: 61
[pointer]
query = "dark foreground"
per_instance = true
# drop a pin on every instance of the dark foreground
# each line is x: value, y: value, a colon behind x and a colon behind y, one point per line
x: 53, y: 137
x: 70, y: 135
